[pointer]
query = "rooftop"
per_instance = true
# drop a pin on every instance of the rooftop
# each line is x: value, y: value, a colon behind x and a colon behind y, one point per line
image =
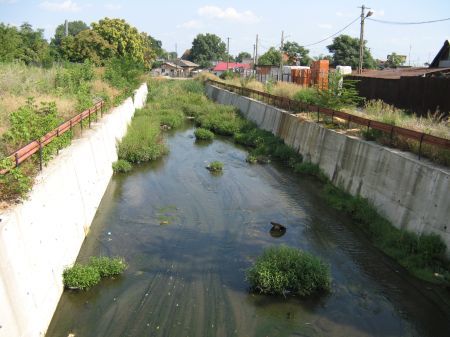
x: 222, y: 66
x: 401, y: 72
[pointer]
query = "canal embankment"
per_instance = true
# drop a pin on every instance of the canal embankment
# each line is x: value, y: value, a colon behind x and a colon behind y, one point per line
x: 412, y: 194
x: 43, y: 235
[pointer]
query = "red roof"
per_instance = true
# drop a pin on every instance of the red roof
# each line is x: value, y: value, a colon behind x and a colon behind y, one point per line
x: 222, y: 66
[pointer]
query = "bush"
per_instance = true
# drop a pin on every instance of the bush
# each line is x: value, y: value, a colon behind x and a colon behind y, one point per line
x: 284, y: 270
x: 121, y: 166
x: 215, y: 166
x: 203, y: 134
x: 108, y: 266
x: 310, y: 169
x: 80, y: 277
x: 123, y: 73
x: 15, y: 184
x: 308, y: 96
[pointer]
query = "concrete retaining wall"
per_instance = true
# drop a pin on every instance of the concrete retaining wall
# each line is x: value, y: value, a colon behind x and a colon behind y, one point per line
x: 412, y: 194
x: 43, y: 235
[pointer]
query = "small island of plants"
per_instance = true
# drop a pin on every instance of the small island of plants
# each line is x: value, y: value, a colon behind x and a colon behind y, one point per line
x: 83, y: 277
x: 288, y: 271
x: 203, y: 134
x: 215, y: 166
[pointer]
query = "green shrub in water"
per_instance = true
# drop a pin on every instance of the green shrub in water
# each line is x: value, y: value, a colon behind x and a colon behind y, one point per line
x: 215, y: 166
x: 80, y: 277
x: 203, y: 134
x: 121, y: 166
x: 108, y: 266
x: 284, y: 270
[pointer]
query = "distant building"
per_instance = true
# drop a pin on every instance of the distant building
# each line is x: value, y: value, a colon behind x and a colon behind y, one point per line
x: 176, y: 68
x: 442, y: 59
x: 221, y: 67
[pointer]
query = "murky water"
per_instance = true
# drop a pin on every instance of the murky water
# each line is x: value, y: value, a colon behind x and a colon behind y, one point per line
x: 186, y: 278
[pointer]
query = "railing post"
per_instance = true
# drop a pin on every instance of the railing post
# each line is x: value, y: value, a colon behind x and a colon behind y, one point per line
x: 332, y: 116
x: 349, y: 120
x: 40, y: 155
x: 57, y: 135
x: 70, y: 123
x: 101, y: 109
x: 16, y: 157
x: 391, y: 135
x: 89, y: 118
x: 81, y: 123
x: 420, y: 145
x: 318, y: 115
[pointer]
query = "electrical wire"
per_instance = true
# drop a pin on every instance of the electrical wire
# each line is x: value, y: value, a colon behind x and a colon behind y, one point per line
x: 329, y: 37
x: 407, y: 23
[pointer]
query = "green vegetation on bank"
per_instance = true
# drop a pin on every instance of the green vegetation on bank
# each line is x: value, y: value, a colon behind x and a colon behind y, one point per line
x: 215, y: 166
x: 83, y: 277
x: 288, y: 271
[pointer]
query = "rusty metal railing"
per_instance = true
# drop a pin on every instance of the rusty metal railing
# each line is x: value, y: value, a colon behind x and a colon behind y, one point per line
x: 25, y: 152
x: 295, y: 106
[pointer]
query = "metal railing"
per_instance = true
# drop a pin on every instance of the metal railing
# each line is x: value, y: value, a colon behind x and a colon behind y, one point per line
x: 296, y: 106
x: 25, y: 152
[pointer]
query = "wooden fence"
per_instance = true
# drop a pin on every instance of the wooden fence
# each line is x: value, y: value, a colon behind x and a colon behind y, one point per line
x: 297, y: 106
x: 419, y: 95
x: 25, y: 152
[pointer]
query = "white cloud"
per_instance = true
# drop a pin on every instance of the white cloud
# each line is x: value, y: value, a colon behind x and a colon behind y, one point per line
x: 325, y: 25
x: 62, y: 6
x: 113, y: 7
x: 230, y: 14
x: 191, y: 24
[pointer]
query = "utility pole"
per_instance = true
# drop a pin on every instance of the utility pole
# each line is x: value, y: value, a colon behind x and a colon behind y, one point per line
x: 409, y: 56
x: 281, y: 55
x: 361, y: 37
x: 228, y: 51
x: 256, y: 50
x: 66, y: 28
x: 254, y: 54
x: 176, y: 50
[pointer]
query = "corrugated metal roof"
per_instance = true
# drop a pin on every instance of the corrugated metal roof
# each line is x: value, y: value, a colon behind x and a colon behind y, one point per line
x: 400, y: 72
x: 222, y: 66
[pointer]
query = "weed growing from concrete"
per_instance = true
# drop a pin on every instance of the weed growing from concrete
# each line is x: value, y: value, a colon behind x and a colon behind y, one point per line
x: 288, y: 271
x: 121, y: 166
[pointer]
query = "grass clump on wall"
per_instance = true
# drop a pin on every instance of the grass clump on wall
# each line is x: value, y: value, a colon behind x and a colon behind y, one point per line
x: 121, y: 166
x: 288, y: 271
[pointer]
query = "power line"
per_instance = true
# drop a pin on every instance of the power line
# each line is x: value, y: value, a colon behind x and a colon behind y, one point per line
x: 329, y: 37
x: 407, y: 23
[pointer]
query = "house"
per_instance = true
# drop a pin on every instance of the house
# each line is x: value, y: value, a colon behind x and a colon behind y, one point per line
x: 442, y: 59
x: 187, y: 66
x: 170, y: 69
x: 242, y: 68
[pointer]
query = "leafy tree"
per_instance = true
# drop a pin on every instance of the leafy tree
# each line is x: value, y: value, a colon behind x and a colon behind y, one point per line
x: 87, y: 45
x: 271, y: 57
x: 345, y: 50
x: 206, y: 48
x: 74, y: 27
x: 323, y: 57
x: 394, y: 60
x: 296, y: 53
x: 10, y: 42
x: 125, y: 39
x: 243, y: 55
x: 34, y: 48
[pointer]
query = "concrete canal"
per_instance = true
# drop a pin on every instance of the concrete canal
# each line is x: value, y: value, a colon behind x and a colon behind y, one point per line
x: 188, y: 237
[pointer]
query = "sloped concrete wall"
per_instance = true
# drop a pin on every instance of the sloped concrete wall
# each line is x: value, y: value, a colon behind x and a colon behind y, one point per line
x: 412, y: 194
x: 43, y: 235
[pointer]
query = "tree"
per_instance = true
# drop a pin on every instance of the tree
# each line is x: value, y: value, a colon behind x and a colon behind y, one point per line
x: 206, y: 48
x: 125, y: 39
x: 394, y: 60
x: 34, y: 48
x: 345, y: 50
x: 270, y: 58
x: 243, y: 55
x: 10, y: 40
x: 74, y: 27
x: 296, y: 53
x: 86, y: 45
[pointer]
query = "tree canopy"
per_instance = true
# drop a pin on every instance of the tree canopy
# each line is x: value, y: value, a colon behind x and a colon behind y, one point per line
x: 243, y: 55
x: 271, y: 57
x: 394, y: 60
x: 24, y: 44
x: 296, y: 53
x: 345, y: 50
x: 74, y: 27
x: 207, y: 48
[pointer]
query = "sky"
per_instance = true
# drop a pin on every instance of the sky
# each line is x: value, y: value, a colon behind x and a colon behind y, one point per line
x: 176, y: 23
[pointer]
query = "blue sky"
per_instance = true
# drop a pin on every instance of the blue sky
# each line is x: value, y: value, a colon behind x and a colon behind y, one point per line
x: 178, y: 22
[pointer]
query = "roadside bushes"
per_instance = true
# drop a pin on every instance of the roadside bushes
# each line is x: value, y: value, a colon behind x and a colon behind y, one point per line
x: 283, y: 271
x: 83, y: 277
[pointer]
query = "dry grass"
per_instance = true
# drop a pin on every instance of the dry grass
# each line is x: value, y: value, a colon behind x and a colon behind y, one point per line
x: 204, y: 76
x: 102, y: 87
x: 285, y: 89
